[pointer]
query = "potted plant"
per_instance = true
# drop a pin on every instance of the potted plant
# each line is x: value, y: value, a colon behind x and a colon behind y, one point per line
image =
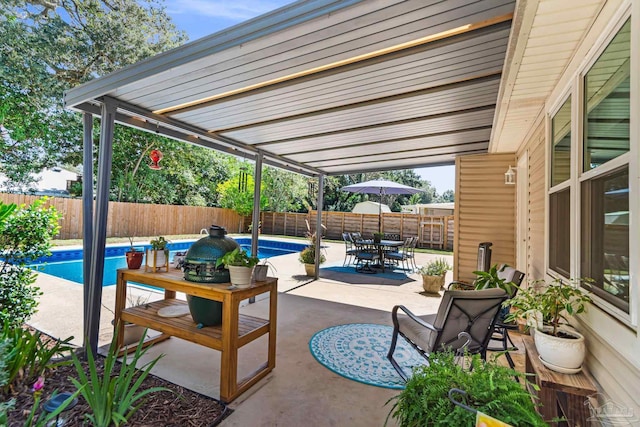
x: 240, y: 266
x: 546, y: 307
x: 433, y: 275
x: 308, y: 258
x: 158, y: 255
x: 134, y: 257
x: 377, y: 237
x: 262, y: 269
x: 485, y: 386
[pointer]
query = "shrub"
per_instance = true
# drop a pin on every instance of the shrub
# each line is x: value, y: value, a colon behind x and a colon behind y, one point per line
x: 490, y: 389
x: 436, y: 267
x: 25, y: 235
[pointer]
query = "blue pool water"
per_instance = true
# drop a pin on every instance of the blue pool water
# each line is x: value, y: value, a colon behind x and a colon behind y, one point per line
x: 67, y: 264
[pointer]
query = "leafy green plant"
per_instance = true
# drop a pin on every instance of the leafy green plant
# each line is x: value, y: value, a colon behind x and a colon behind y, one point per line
x: 28, y: 356
x: 114, y: 396
x: 436, y: 267
x: 490, y: 389
x: 45, y: 418
x: 25, y: 235
x: 159, y: 244
x: 550, y: 304
x: 237, y: 257
x: 308, y: 256
x: 490, y: 279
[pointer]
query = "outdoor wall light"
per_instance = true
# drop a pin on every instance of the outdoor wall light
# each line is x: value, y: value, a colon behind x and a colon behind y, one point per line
x: 510, y: 176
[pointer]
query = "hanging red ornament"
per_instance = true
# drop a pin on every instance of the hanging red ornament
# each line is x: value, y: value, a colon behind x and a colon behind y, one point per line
x: 155, y: 156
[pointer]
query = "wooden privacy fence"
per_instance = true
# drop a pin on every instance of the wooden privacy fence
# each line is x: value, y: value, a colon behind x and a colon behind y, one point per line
x: 136, y: 219
x: 433, y: 231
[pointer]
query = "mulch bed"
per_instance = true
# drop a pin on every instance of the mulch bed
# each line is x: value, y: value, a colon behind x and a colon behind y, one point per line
x: 179, y: 407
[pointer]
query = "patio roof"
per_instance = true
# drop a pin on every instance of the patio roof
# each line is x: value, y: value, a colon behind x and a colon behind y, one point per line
x: 326, y: 87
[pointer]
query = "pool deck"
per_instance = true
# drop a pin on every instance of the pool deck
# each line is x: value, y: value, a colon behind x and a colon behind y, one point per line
x: 299, y: 390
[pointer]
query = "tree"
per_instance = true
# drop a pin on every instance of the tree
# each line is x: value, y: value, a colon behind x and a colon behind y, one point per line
x: 284, y: 190
x: 25, y: 235
x: 232, y: 196
x: 49, y: 47
x: 447, y: 196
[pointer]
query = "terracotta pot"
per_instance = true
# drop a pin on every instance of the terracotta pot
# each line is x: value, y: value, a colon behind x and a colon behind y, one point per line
x: 240, y: 276
x: 432, y: 284
x: 134, y: 260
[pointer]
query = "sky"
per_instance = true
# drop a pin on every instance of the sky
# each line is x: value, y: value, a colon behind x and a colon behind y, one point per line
x: 203, y: 17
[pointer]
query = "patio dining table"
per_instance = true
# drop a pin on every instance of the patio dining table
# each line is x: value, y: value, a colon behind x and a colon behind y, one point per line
x: 382, y: 247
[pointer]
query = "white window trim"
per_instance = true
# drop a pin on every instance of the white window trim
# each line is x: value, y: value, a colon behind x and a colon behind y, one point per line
x: 575, y: 90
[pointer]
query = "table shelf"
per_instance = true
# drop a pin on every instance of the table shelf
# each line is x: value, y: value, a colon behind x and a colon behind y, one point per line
x: 235, y: 331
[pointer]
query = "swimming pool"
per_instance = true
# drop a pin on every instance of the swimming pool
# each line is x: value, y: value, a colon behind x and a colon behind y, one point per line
x: 67, y: 264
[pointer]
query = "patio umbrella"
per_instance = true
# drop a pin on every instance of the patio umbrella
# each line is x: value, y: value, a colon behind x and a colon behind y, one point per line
x: 381, y: 187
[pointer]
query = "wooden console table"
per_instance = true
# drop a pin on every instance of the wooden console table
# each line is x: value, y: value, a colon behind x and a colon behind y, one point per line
x: 235, y: 331
x: 561, y: 395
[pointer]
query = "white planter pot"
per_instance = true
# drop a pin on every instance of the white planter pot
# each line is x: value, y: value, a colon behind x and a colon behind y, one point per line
x: 160, y: 258
x: 240, y: 276
x: 565, y: 354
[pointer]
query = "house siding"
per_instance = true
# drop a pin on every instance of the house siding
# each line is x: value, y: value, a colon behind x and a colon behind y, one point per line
x: 613, y: 347
x: 484, y: 212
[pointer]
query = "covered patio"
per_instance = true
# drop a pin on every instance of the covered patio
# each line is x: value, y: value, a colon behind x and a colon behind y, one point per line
x: 325, y: 87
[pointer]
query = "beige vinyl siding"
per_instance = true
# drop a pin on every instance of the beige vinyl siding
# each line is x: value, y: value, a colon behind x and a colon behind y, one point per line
x: 535, y: 228
x: 485, y: 211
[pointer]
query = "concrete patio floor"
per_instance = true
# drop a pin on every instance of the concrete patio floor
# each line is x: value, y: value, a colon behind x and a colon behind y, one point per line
x: 299, y: 390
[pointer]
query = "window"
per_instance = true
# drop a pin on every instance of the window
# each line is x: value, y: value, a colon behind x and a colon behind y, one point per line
x: 605, y: 236
x: 559, y: 232
x: 561, y: 147
x: 606, y: 102
x: 604, y: 249
x: 560, y: 198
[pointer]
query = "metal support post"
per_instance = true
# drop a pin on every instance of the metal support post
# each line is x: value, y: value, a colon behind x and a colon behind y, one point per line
x: 100, y: 224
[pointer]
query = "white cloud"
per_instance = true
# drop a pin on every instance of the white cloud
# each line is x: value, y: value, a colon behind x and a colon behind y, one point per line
x: 236, y: 10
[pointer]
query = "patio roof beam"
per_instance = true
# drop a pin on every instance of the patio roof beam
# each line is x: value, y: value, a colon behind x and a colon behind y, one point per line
x: 147, y: 121
x: 462, y: 83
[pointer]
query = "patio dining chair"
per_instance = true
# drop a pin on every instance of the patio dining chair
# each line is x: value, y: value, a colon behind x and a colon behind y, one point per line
x: 350, y: 251
x: 402, y: 255
x: 473, y: 313
x: 365, y: 256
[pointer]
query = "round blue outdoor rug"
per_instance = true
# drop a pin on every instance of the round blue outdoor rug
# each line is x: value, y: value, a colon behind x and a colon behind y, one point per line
x: 358, y: 351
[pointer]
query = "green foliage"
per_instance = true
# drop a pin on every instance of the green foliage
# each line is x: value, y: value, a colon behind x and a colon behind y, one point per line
x: 490, y: 388
x: 436, y: 267
x: 25, y: 235
x: 114, y: 397
x: 159, y: 244
x: 283, y: 190
x: 550, y: 303
x: 233, y: 197
x: 6, y: 210
x: 490, y: 279
x: 28, y: 356
x: 308, y: 256
x: 237, y: 257
x: 49, y: 47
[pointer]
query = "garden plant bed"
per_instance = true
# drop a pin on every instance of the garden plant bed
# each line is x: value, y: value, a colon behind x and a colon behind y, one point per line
x: 181, y: 407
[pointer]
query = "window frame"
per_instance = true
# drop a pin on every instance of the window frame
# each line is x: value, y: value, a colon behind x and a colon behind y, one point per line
x: 576, y: 91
